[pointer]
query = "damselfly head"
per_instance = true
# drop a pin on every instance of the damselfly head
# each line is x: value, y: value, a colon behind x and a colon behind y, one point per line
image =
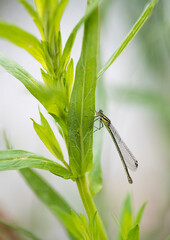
x: 101, y: 111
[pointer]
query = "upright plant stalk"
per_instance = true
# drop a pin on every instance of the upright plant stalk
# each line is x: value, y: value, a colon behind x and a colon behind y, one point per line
x: 82, y: 102
x: 90, y: 206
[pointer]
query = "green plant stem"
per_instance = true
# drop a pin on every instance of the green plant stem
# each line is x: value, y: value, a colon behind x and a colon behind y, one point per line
x: 89, y: 205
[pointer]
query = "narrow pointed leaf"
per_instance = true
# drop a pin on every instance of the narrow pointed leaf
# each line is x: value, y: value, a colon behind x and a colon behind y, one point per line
x: 18, y: 159
x: 55, y: 21
x: 140, y: 214
x: 40, y: 6
x: 83, y: 101
x: 19, y: 230
x: 22, y: 39
x: 53, y: 4
x: 126, y: 221
x: 34, y: 15
x: 135, y: 29
x: 68, y: 221
x: 47, y: 136
x: 48, y: 96
x: 36, y: 88
x: 69, y: 44
x: 48, y: 195
x: 48, y: 81
x: 133, y: 233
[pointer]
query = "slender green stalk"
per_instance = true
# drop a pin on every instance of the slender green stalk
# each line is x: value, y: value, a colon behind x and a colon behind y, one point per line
x: 89, y: 205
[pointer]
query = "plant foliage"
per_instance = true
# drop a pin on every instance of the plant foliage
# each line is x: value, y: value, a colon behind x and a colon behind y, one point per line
x: 70, y: 100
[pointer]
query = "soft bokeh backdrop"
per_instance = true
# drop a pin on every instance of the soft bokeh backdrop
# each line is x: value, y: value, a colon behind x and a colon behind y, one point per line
x: 136, y: 98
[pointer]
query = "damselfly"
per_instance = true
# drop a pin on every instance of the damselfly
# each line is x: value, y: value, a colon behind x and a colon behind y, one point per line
x: 125, y: 154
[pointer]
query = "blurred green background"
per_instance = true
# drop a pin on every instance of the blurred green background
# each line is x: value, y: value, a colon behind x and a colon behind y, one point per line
x: 134, y: 93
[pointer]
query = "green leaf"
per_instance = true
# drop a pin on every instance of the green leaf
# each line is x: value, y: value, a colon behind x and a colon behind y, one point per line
x: 48, y: 80
x: 140, y: 214
x: 7, y: 142
x: 83, y: 101
x: 126, y: 221
x: 36, y: 88
x: 69, y: 44
x: 48, y: 96
x: 69, y: 220
x: 55, y: 21
x: 48, y: 58
x: 18, y: 159
x: 54, y: 35
x: 19, y: 230
x: 40, y: 6
x: 23, y: 39
x: 135, y: 29
x: 53, y: 4
x: 95, y: 175
x: 93, y: 227
x: 34, y: 15
x: 69, y: 78
x: 168, y: 238
x: 45, y: 8
x: 133, y: 233
x: 48, y: 195
x: 47, y: 136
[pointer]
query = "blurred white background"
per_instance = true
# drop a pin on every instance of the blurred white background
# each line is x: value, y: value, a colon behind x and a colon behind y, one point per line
x: 138, y: 126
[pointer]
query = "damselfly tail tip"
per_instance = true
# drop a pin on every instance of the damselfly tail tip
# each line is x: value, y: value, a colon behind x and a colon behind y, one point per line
x: 136, y: 163
x: 130, y: 180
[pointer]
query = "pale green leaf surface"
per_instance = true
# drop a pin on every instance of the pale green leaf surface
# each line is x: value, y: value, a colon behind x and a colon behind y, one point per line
x: 33, y: 13
x: 93, y: 227
x: 7, y: 142
x: 59, y: 49
x: 95, y: 175
x: 69, y: 221
x: 168, y: 238
x: 45, y: 192
x: 83, y: 101
x: 69, y: 44
x: 22, y: 39
x: 126, y: 221
x: 69, y: 78
x: 135, y: 29
x: 36, y: 88
x: 47, y: 136
x: 55, y: 21
x: 133, y: 233
x: 48, y: 195
x: 140, y: 214
x: 18, y: 159
x: 40, y: 6
x: 47, y: 78
x: 53, y: 4
x: 47, y: 57
x: 19, y: 230
x: 48, y: 96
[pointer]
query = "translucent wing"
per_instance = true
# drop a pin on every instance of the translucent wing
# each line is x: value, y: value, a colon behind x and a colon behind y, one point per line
x: 129, y: 159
